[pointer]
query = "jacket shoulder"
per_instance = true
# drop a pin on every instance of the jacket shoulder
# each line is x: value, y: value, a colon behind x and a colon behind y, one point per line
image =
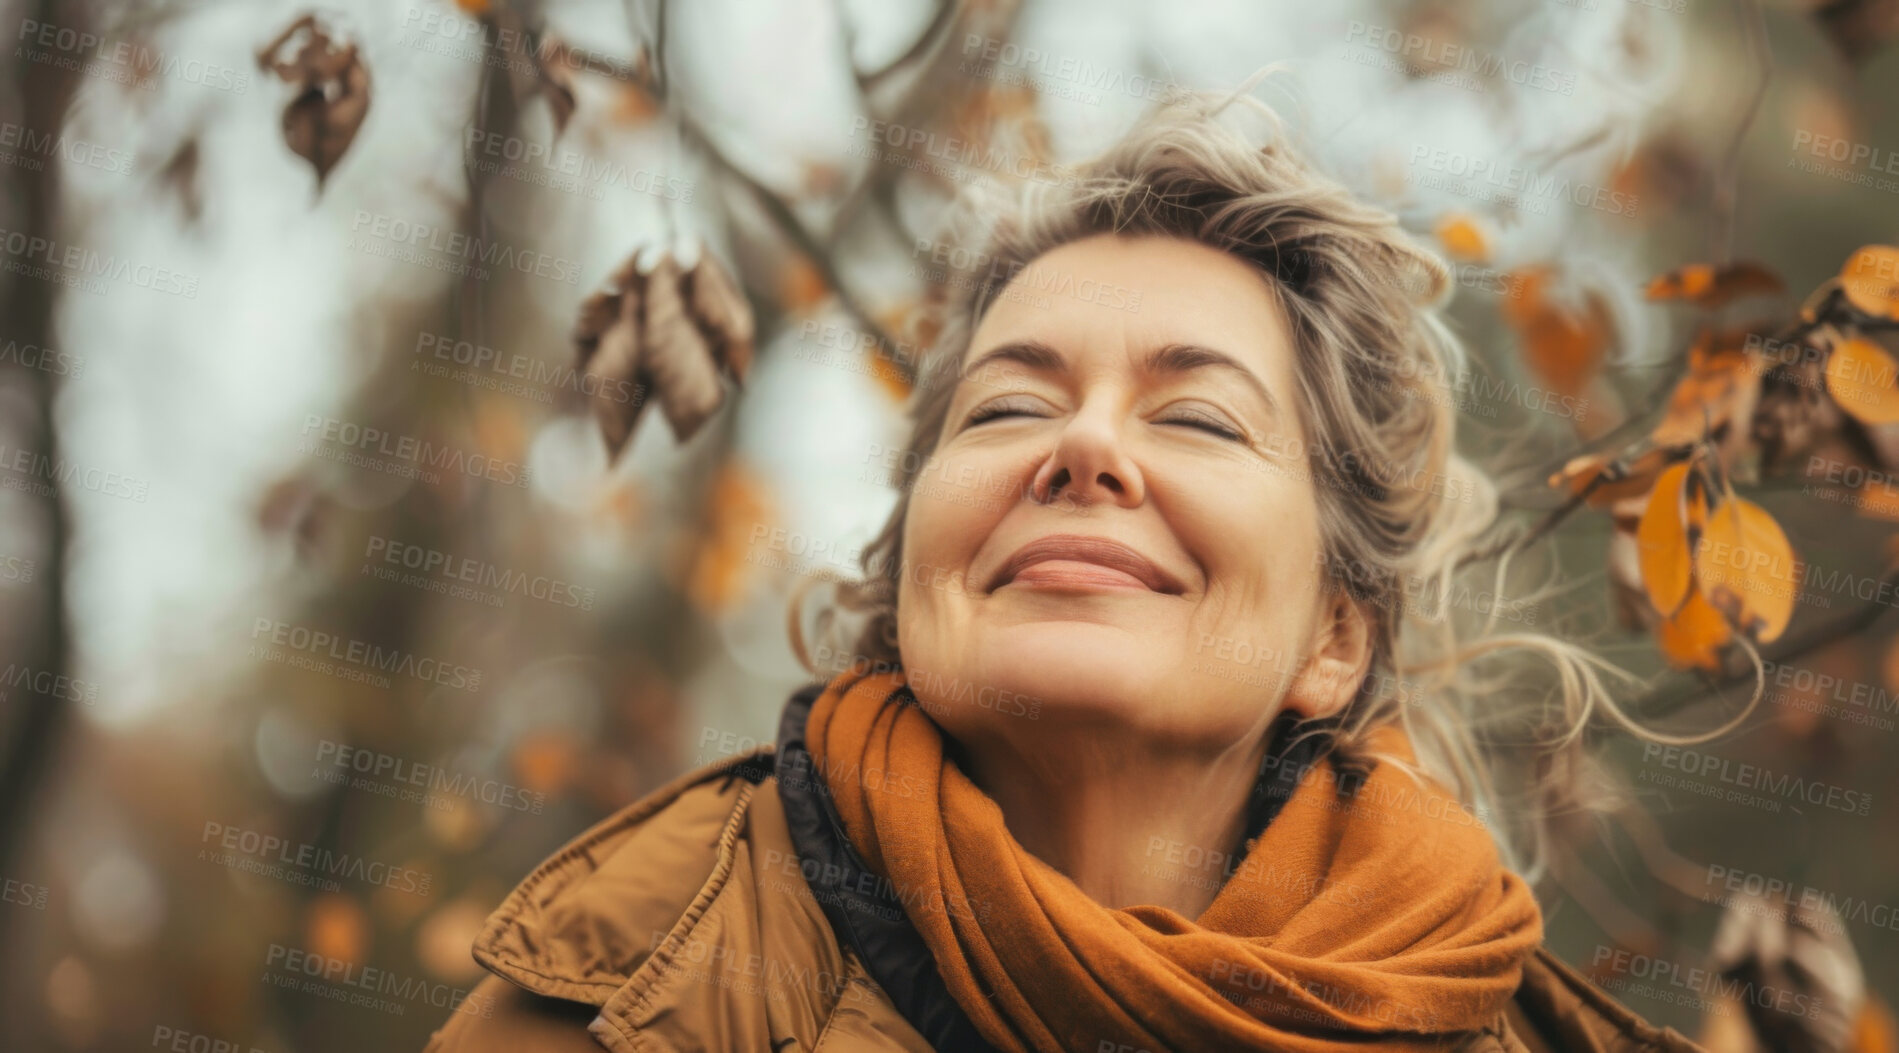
x: 591, y: 913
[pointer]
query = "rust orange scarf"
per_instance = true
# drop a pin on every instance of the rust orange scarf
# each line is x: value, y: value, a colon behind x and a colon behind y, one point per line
x: 1380, y: 914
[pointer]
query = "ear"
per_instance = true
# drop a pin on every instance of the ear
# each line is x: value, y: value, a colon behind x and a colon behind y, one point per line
x: 1339, y: 659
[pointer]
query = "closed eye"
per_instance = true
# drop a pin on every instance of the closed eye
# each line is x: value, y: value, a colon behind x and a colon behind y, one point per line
x: 1000, y: 408
x: 1204, y: 423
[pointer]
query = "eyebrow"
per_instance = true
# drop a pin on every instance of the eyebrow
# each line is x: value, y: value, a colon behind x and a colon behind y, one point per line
x: 1169, y: 360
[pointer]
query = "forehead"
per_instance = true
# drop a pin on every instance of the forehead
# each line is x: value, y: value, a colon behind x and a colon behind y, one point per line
x: 1103, y: 299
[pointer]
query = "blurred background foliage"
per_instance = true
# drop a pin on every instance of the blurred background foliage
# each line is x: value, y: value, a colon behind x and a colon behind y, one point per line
x: 332, y: 469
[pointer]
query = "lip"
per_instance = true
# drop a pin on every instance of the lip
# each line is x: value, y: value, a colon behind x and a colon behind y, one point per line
x: 1079, y: 548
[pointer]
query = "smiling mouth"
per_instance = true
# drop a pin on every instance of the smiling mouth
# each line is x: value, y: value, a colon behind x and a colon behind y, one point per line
x: 1075, y: 561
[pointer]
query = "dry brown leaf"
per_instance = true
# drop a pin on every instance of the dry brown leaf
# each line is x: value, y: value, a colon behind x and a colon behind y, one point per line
x: 676, y: 355
x: 1870, y: 281
x: 1746, y: 568
x: 1666, y: 537
x: 1707, y: 285
x: 1861, y: 376
x: 1693, y: 637
x: 666, y: 335
x: 332, y: 92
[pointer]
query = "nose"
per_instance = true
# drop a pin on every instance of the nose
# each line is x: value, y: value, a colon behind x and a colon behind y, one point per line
x: 1089, y: 464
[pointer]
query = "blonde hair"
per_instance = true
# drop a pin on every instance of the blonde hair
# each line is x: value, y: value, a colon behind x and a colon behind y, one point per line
x: 1401, y: 511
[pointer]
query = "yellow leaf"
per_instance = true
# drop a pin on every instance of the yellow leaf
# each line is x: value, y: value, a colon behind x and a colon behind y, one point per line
x: 1859, y: 376
x: 1870, y: 281
x: 1746, y: 568
x: 1692, y: 636
x: 1664, y: 545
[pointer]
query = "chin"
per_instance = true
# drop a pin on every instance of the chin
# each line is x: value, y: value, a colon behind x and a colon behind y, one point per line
x: 1054, y: 671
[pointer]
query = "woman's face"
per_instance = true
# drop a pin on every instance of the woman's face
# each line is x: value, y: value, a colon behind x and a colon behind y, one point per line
x: 1118, y: 525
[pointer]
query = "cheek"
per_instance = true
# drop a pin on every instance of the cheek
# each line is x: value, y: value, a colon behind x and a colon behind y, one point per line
x: 1260, y: 545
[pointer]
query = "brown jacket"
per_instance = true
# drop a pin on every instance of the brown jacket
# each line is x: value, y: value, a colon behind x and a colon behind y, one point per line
x: 683, y: 922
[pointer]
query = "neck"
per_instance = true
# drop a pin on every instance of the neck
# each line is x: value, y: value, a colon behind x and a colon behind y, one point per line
x: 1131, y: 826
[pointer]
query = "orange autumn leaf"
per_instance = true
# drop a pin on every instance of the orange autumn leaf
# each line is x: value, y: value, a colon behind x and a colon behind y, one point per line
x: 1860, y: 376
x: 1707, y: 285
x: 1746, y: 568
x: 1693, y: 636
x: 1666, y: 535
x: 1870, y: 281
x: 1719, y: 390
x: 1463, y: 238
x: 1562, y: 344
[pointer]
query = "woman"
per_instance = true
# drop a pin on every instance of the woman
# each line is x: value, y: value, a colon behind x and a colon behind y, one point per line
x: 1132, y: 753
